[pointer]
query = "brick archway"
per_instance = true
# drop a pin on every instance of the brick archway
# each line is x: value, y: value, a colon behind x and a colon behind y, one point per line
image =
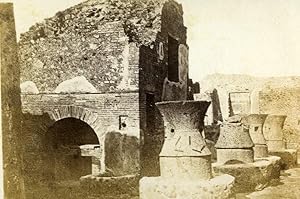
x: 85, y: 115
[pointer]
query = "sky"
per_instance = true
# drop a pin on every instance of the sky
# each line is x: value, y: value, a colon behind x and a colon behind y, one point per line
x: 255, y: 37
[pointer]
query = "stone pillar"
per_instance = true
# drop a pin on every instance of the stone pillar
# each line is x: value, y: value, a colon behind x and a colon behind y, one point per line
x: 255, y: 124
x: 94, y: 151
x: 234, y: 144
x: 273, y: 132
x: 10, y: 105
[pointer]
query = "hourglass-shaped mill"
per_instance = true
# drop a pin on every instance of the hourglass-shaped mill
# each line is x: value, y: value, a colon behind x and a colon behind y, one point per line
x: 185, y: 160
x: 235, y: 154
x: 273, y: 132
x: 255, y: 124
x: 184, y: 153
x: 234, y: 144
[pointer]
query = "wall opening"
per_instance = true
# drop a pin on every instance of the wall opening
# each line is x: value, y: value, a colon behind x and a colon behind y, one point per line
x: 173, y: 73
x: 66, y: 138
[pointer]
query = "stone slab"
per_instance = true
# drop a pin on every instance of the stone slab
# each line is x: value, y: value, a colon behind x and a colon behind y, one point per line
x: 110, y: 186
x: 219, y: 187
x: 251, y: 176
x: 288, y: 157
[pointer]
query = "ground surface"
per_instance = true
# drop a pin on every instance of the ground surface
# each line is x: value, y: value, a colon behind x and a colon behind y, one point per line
x: 287, y: 187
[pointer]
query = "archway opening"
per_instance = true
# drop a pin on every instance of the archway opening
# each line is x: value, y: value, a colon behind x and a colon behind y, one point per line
x: 72, y: 142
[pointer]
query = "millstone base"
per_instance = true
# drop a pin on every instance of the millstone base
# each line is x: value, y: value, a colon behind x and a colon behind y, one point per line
x: 260, y: 151
x: 288, y: 157
x: 251, y: 176
x: 219, y: 187
x: 110, y: 186
x: 228, y: 156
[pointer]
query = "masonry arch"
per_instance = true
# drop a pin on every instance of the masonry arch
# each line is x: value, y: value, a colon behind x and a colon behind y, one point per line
x: 76, y: 142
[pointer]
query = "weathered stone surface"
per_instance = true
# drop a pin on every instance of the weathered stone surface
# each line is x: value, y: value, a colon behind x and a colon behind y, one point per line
x: 184, y: 153
x: 183, y: 119
x: 121, y: 154
x: 219, y: 187
x: 76, y: 85
x: 273, y: 132
x: 232, y: 156
x: 10, y: 141
x: 29, y: 87
x: 185, y: 168
x: 288, y: 157
x: 255, y: 123
x: 251, y: 176
x: 110, y: 186
x: 234, y: 134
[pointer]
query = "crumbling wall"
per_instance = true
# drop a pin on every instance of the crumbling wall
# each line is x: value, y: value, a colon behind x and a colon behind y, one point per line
x: 95, y: 39
x: 10, y: 105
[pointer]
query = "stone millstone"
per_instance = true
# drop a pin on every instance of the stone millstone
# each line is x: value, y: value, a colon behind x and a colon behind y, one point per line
x: 184, y: 118
x: 234, y: 135
x: 273, y: 132
x: 184, y: 154
x: 255, y: 123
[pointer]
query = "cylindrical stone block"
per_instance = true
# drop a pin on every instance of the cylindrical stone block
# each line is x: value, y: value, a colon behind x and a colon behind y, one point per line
x: 186, y: 167
x: 228, y: 156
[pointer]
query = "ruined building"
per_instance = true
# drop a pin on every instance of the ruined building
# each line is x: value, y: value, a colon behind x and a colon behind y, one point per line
x: 90, y: 77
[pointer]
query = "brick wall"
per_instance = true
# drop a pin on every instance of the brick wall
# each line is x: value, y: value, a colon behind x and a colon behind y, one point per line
x: 108, y: 107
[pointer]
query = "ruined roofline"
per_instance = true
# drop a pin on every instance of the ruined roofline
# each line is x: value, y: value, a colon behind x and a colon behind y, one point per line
x: 141, y: 19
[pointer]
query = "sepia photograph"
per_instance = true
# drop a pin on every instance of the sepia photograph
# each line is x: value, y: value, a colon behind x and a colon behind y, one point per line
x: 150, y: 99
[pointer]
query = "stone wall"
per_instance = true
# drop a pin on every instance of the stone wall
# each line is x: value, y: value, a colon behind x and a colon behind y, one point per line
x: 108, y: 108
x: 10, y: 106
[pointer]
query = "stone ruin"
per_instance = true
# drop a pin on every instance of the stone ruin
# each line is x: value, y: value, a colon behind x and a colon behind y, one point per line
x: 234, y: 143
x: 185, y: 160
x: 255, y: 124
x: 273, y: 132
x: 237, y: 156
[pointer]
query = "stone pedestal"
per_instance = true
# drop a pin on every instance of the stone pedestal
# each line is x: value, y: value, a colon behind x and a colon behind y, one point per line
x: 251, y: 176
x: 255, y: 124
x: 234, y: 144
x: 185, y: 160
x: 161, y: 188
x: 273, y: 132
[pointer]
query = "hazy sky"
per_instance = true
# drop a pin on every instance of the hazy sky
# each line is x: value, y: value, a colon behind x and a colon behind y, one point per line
x: 256, y: 37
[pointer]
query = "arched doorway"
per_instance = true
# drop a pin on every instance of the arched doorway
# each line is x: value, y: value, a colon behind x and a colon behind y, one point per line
x: 74, y: 148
